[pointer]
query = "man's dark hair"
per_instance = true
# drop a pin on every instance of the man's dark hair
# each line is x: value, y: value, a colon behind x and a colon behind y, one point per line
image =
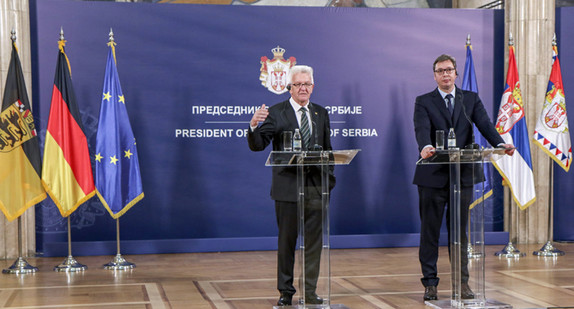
x: 444, y: 57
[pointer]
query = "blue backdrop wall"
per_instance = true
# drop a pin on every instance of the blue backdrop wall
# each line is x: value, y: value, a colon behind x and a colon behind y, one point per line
x: 195, y: 69
x: 563, y: 181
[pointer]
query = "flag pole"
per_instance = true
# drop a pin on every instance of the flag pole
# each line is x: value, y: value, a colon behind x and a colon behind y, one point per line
x: 548, y: 249
x: 509, y: 251
x: 118, y: 262
x: 70, y: 264
x: 20, y: 266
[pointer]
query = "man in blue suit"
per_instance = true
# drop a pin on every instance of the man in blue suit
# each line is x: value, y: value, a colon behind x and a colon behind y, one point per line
x: 446, y: 107
x: 296, y: 113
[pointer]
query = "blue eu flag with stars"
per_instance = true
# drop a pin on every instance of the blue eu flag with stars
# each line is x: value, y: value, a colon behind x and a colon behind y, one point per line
x: 469, y: 83
x: 118, y: 179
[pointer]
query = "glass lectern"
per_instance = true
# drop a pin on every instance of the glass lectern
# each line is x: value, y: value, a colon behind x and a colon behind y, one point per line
x: 317, y: 162
x: 473, y: 160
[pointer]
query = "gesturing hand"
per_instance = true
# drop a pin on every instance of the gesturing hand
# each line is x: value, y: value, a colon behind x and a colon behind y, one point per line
x: 259, y: 116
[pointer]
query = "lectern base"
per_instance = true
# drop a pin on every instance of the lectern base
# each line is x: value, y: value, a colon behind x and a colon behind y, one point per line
x: 337, y: 306
x: 474, y: 304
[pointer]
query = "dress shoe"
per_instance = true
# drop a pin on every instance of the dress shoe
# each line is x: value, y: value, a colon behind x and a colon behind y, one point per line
x: 430, y: 293
x: 285, y: 299
x: 313, y: 299
x: 465, y: 292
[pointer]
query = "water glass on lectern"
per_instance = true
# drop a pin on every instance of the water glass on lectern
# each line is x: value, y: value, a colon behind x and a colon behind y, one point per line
x: 287, y: 140
x: 439, y: 139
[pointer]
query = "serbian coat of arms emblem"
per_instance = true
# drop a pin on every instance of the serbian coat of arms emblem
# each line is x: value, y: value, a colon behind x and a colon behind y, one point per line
x: 274, y: 72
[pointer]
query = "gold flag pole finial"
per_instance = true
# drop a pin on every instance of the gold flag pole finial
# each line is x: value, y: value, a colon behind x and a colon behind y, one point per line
x: 112, y: 44
x: 13, y: 38
x: 111, y: 35
x: 554, y: 40
x: 61, y: 44
x: 62, y: 41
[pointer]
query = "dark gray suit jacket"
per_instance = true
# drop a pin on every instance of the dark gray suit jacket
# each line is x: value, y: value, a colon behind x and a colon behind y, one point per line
x: 282, y: 118
x: 431, y: 114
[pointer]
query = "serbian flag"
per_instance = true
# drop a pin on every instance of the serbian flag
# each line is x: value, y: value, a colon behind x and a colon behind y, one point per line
x: 20, y: 163
x: 66, y: 171
x: 551, y: 133
x: 482, y: 190
x: 511, y: 125
x: 118, y: 179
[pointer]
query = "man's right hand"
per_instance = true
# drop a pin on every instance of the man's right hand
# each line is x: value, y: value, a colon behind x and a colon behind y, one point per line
x: 259, y: 116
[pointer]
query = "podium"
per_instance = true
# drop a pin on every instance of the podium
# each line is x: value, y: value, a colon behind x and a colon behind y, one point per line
x: 316, y: 163
x: 473, y: 160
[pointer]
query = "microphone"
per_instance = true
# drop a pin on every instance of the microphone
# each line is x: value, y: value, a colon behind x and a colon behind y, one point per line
x: 316, y: 147
x: 472, y: 145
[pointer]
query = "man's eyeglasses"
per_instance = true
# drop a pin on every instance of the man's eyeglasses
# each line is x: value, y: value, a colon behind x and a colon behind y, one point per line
x: 297, y: 85
x: 447, y: 70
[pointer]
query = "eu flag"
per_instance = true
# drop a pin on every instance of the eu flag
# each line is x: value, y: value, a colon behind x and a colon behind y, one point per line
x: 483, y: 190
x: 118, y: 179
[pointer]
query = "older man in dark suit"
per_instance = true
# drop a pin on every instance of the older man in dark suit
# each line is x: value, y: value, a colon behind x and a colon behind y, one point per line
x: 446, y: 107
x: 313, y: 121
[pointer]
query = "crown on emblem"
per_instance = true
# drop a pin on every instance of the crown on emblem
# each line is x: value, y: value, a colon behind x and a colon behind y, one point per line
x: 278, y: 52
x: 278, y: 67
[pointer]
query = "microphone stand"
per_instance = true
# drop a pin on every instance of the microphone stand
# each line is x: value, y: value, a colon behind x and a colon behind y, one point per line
x: 316, y: 147
x: 471, y: 253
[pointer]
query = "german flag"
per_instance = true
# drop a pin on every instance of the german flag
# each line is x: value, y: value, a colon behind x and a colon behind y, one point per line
x: 20, y: 163
x: 67, y: 172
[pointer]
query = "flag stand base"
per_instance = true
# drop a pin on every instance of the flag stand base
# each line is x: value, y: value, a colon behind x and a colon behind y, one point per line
x: 20, y: 266
x: 119, y: 263
x: 70, y: 265
x: 549, y: 250
x: 472, y: 254
x: 510, y: 252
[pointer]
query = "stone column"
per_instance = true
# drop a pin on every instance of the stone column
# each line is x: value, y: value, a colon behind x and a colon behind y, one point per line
x: 14, y: 14
x: 532, y: 25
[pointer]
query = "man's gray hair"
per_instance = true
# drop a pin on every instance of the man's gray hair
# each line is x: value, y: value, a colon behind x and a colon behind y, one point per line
x: 298, y: 69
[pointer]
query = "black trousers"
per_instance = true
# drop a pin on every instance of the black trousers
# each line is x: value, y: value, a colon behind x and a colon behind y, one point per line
x: 287, y: 221
x: 432, y: 202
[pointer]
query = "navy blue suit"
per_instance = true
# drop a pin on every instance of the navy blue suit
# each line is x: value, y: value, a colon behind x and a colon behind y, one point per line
x: 431, y: 114
x: 284, y: 191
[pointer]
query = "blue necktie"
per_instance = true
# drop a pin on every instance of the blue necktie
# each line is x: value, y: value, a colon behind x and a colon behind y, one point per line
x: 449, y: 104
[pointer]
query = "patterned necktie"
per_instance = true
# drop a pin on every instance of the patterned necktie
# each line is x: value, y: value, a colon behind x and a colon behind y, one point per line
x: 449, y: 103
x: 305, y: 135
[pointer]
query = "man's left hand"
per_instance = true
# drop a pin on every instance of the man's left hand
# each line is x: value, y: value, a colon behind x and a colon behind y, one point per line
x: 509, y: 149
